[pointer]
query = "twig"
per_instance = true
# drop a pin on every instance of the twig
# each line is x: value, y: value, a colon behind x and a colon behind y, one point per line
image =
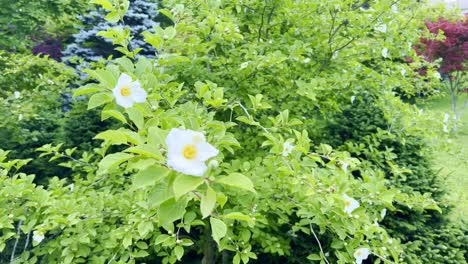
x: 18, y: 230
x: 27, y: 241
x: 320, y: 245
x: 382, y: 258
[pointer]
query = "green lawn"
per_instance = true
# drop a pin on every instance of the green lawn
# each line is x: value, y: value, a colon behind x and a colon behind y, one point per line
x: 453, y: 162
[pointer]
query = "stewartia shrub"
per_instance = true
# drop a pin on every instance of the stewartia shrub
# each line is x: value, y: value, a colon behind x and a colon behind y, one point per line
x: 212, y: 160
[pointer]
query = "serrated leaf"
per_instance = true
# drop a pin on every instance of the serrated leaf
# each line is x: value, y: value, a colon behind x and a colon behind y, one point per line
x: 185, y: 183
x: 237, y: 180
x: 218, y: 229
x: 150, y: 176
x: 208, y: 202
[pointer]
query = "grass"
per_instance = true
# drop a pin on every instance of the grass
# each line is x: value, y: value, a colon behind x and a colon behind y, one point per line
x: 453, y: 162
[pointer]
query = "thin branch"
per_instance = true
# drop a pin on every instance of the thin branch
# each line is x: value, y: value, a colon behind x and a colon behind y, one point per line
x: 18, y: 233
x: 382, y: 258
x: 320, y: 245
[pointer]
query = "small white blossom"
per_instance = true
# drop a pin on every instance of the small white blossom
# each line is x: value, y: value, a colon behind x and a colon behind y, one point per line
x: 38, y: 236
x: 350, y: 204
x: 385, y: 52
x: 306, y: 60
x: 17, y: 95
x: 445, y: 128
x: 128, y: 92
x: 446, y: 117
x: 361, y: 254
x: 353, y: 98
x: 381, y: 28
x: 244, y: 65
x: 403, y: 72
x: 436, y: 75
x: 71, y: 186
x: 213, y: 164
x: 188, y: 151
x: 20, y: 117
x: 395, y: 8
x: 287, y: 149
x: 344, y: 166
x: 383, y: 213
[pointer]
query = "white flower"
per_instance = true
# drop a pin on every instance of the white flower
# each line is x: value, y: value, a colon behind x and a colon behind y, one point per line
x: 20, y: 117
x: 384, y: 52
x: 16, y: 94
x: 403, y: 72
x: 383, y: 213
x: 188, y: 151
x: 446, y: 128
x: 71, y: 186
x: 306, y: 60
x: 344, y: 166
x: 350, y: 204
x: 437, y: 75
x: 361, y: 254
x: 38, y: 236
x: 381, y: 28
x: 395, y: 8
x: 127, y: 93
x: 446, y: 117
x: 287, y: 149
x: 352, y: 99
x: 244, y: 65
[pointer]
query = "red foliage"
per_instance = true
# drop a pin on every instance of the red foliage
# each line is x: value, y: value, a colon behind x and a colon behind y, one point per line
x: 453, y: 50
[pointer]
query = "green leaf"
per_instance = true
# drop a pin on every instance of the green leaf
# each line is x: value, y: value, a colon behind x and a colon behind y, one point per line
x: 113, y: 113
x: 185, y: 183
x: 146, y: 150
x: 111, y: 161
x: 239, y: 216
x: 145, y: 228
x: 113, y: 136
x: 87, y: 89
x: 208, y: 202
x: 99, y: 99
x: 237, y: 180
x: 171, y: 210
x: 179, y: 252
x: 150, y: 176
x: 106, y: 4
x: 136, y: 116
x: 218, y: 229
x: 157, y: 136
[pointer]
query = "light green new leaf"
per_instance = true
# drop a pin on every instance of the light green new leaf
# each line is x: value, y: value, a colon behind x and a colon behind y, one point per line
x: 87, y: 89
x: 237, y: 180
x: 113, y: 113
x: 150, y: 176
x: 99, y: 99
x: 184, y: 184
x: 113, y: 136
x: 239, y: 216
x: 136, y: 116
x: 112, y: 161
x: 171, y: 210
x: 208, y: 202
x: 218, y: 229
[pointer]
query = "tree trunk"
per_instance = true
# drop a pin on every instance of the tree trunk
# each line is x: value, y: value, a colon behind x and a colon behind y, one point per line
x: 209, y: 254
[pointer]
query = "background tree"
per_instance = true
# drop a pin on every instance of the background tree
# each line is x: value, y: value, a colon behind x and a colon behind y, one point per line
x: 89, y: 47
x: 449, y: 44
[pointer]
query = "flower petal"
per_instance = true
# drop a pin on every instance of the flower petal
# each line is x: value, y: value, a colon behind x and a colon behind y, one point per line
x: 194, y: 168
x: 124, y: 80
x: 123, y: 101
x: 206, y: 151
x: 138, y: 94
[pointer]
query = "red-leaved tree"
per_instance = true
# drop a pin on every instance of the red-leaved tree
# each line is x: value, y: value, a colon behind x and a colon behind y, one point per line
x: 453, y: 52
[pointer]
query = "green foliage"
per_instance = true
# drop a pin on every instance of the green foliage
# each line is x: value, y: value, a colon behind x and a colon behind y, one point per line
x: 21, y: 19
x: 268, y: 83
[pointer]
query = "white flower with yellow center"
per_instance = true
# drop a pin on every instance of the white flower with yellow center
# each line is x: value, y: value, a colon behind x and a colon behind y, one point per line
x: 361, y: 254
x: 38, y: 236
x: 350, y: 204
x: 188, y: 151
x: 287, y: 149
x: 128, y: 92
